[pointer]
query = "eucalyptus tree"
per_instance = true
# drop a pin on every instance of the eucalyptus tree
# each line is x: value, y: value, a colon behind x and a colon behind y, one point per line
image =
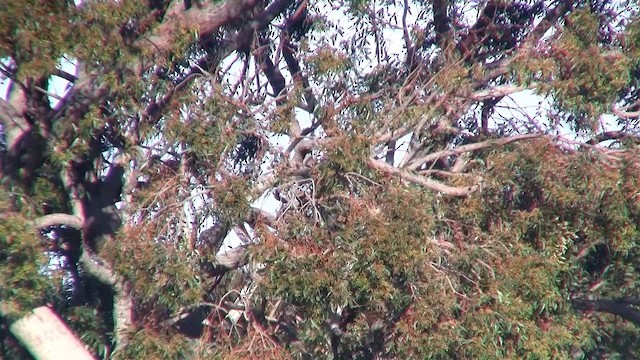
x: 317, y: 179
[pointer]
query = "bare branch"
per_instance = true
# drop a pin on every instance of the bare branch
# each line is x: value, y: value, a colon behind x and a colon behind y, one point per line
x: 46, y: 336
x: 207, y: 19
x: 392, y: 135
x: 498, y: 91
x: 92, y: 264
x: 614, y: 135
x: 467, y: 148
x: 65, y: 75
x: 625, y: 114
x: 423, y: 181
x: 122, y: 313
x: 58, y: 219
x: 48, y: 93
x: 97, y: 268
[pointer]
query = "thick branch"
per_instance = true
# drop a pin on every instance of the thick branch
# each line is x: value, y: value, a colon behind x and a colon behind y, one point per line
x: 122, y: 313
x: 614, y: 135
x: 208, y: 18
x: 230, y: 260
x: 620, y: 307
x: 46, y: 336
x: 274, y: 9
x: 58, y: 219
x: 625, y: 114
x: 498, y: 91
x: 272, y: 72
x: 467, y: 148
x: 65, y: 75
x: 97, y: 268
x: 294, y: 68
x: 13, y: 124
x: 423, y: 181
x: 441, y: 22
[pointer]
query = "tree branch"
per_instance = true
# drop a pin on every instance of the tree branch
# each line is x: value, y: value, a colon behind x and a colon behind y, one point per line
x: 58, y: 219
x: 625, y: 114
x: 65, y: 75
x: 97, y: 268
x: 230, y: 260
x: 614, y: 135
x: 122, y: 313
x: 46, y: 336
x: 15, y: 126
x: 442, y: 22
x: 423, y: 181
x: 413, y: 165
x: 208, y: 18
x: 501, y: 67
x: 620, y: 307
x: 498, y: 91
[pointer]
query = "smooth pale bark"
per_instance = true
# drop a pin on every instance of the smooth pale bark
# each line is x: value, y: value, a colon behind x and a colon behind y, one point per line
x: 46, y: 337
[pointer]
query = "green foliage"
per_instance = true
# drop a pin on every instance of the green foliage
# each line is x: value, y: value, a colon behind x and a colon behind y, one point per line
x: 93, y: 39
x: 150, y: 345
x: 46, y: 192
x: 86, y: 321
x: 327, y: 61
x: 484, y: 277
x: 36, y: 32
x: 22, y: 259
x: 232, y: 199
x: 164, y: 278
x: 584, y: 79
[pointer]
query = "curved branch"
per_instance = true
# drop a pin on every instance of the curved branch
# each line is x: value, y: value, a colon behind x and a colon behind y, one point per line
x: 92, y: 264
x: 69, y: 220
x: 97, y: 268
x: 423, y: 181
x: 625, y: 114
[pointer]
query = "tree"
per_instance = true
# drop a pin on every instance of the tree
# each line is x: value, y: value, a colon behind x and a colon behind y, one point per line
x: 414, y: 217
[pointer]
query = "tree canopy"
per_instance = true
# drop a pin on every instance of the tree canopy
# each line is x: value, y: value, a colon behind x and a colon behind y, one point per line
x: 323, y: 179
